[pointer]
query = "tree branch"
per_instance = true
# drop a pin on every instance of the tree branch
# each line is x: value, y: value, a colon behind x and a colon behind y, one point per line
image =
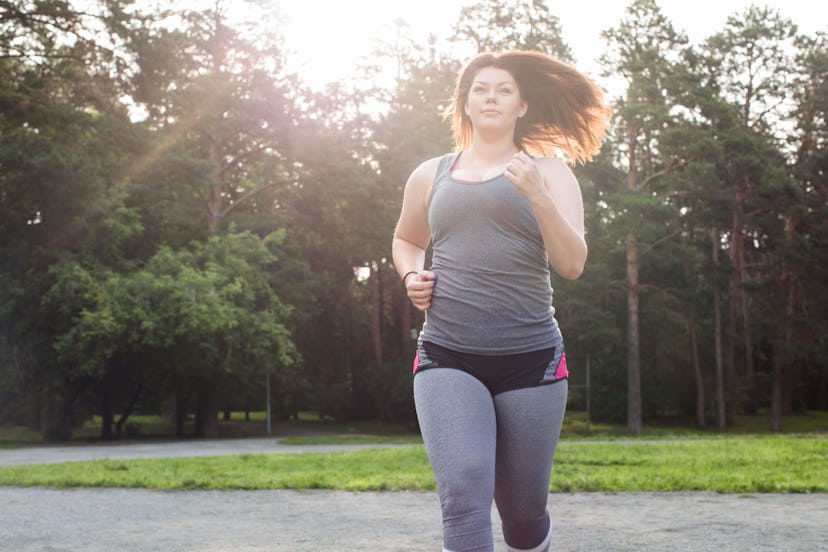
x: 230, y: 164
x: 671, y: 166
x: 664, y: 239
x: 244, y: 197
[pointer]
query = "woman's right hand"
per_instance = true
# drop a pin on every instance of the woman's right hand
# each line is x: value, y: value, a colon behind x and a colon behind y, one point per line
x: 420, y: 288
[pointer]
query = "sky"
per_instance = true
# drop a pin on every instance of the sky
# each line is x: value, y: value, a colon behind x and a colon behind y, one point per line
x: 329, y: 37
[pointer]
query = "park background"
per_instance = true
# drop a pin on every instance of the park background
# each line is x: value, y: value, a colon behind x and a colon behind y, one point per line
x: 183, y: 217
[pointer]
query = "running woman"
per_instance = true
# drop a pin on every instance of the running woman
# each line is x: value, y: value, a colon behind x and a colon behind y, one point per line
x: 490, y: 381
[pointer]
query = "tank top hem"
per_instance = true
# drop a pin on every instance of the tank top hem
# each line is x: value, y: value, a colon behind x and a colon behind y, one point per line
x: 555, y: 341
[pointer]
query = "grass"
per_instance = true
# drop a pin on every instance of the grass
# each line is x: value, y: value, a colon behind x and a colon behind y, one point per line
x: 138, y: 426
x: 759, y: 464
x: 353, y: 440
x: 312, y: 430
x: 377, y: 469
x: 153, y: 427
x: 575, y: 427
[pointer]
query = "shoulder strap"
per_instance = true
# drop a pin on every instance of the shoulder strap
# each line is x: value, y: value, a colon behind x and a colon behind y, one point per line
x: 446, y: 162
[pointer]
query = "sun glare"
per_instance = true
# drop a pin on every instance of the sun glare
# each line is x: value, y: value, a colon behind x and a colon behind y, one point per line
x: 327, y: 40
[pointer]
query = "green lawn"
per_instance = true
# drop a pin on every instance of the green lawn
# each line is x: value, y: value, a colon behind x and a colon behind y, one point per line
x: 151, y: 427
x: 778, y: 464
x: 766, y: 464
x: 328, y: 431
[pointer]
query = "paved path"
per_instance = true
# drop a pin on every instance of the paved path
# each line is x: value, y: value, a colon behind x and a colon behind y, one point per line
x: 138, y: 520
x: 176, y: 449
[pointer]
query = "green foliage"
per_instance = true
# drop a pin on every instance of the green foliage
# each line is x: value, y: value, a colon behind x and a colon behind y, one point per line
x: 179, y: 216
x: 752, y: 59
x: 734, y: 465
x: 495, y: 25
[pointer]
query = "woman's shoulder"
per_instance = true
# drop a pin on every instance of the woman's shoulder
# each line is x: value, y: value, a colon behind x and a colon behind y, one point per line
x: 552, y: 163
x: 554, y: 167
x: 557, y: 174
x: 427, y: 170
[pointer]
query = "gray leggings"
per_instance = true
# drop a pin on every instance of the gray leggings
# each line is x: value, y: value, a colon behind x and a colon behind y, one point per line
x: 481, y: 447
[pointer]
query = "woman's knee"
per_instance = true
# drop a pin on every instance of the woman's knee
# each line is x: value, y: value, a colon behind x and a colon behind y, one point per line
x: 524, y: 532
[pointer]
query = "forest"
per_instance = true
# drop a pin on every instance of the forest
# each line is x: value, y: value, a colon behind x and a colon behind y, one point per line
x: 183, y: 220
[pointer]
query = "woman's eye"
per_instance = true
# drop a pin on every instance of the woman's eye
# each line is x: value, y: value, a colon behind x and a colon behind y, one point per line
x: 505, y: 90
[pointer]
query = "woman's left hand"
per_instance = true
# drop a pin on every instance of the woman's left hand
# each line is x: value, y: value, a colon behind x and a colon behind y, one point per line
x: 523, y: 172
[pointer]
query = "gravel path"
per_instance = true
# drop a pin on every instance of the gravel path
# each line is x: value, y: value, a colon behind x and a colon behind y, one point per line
x: 137, y: 520
x: 106, y: 520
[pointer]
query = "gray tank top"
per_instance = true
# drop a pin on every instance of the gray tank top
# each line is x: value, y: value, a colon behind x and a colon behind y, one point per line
x: 493, y: 295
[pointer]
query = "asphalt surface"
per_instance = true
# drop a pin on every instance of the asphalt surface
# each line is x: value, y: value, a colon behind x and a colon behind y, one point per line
x: 106, y: 520
x: 176, y: 449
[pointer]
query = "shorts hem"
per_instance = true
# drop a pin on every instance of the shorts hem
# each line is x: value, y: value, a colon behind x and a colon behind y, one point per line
x: 529, y: 386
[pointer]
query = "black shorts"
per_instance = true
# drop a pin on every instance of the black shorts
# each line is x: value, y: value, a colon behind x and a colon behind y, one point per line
x: 499, y: 373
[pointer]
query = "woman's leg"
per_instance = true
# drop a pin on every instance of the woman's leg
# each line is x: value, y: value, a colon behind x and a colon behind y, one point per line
x: 528, y: 426
x: 457, y: 421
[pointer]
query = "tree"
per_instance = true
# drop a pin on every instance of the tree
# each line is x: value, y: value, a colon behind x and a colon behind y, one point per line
x: 590, y: 309
x: 217, y: 97
x: 496, y: 25
x: 63, y: 144
x: 212, y: 310
x: 77, y: 204
x: 224, y: 93
x: 753, y: 69
x: 803, y: 257
x: 644, y: 51
x: 150, y: 157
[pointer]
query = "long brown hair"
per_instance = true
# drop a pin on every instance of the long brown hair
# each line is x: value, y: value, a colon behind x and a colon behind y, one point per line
x: 566, y: 111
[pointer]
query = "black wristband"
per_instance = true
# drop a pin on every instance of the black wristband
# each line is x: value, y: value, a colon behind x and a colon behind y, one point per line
x: 407, y: 274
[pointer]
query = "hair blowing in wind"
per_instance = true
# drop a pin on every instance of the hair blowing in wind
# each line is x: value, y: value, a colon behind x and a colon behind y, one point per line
x: 567, y: 111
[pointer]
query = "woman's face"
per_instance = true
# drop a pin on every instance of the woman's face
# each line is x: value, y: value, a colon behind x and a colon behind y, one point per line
x: 494, y: 100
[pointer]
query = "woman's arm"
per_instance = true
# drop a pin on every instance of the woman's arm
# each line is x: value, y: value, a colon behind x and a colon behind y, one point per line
x: 412, y: 235
x: 555, y: 196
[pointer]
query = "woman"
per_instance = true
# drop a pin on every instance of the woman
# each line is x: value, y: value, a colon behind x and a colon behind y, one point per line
x: 490, y: 380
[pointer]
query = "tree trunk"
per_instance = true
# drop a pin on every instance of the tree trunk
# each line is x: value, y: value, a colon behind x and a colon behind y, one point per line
x: 781, y: 363
x: 776, y: 394
x: 207, y: 409
x: 633, y: 295
x: 752, y: 391
x: 119, y: 426
x: 822, y: 388
x: 738, y: 293
x: 107, y: 411
x: 701, y: 421
x: 733, y: 295
x: 375, y: 288
x: 721, y: 412
x: 633, y: 339
x: 752, y: 398
x: 180, y: 411
x: 218, y: 54
x: 214, y: 202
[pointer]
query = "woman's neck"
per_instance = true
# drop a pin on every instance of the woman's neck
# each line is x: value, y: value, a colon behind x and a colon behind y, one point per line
x: 483, y: 160
x: 492, y: 152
